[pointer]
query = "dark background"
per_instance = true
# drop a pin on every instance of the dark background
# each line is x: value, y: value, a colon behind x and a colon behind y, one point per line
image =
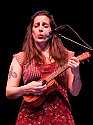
x: 15, y: 18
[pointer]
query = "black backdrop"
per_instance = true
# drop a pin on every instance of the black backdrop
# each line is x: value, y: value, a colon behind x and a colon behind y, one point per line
x: 15, y: 17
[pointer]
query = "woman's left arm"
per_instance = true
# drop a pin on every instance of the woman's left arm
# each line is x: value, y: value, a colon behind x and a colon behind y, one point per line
x: 74, y: 80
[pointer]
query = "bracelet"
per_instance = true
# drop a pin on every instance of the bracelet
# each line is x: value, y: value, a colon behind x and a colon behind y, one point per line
x: 77, y: 78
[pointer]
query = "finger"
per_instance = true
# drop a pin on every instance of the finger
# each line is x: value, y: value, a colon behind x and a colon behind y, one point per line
x: 39, y: 93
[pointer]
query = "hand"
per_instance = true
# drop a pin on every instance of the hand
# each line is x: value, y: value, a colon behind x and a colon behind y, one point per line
x: 36, y: 88
x: 73, y: 63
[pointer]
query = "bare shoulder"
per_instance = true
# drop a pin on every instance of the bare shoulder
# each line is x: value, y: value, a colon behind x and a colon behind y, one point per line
x: 19, y: 57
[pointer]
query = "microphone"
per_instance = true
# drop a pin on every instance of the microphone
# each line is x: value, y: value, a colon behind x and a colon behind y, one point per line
x: 49, y: 34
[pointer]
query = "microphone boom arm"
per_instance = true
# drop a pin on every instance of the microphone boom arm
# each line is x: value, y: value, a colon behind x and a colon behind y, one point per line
x: 76, y: 43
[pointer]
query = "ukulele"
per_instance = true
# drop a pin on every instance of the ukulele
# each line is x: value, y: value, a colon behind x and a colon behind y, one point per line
x: 48, y: 79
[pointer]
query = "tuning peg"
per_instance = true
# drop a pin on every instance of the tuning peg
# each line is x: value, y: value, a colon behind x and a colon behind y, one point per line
x: 88, y: 60
x: 82, y: 62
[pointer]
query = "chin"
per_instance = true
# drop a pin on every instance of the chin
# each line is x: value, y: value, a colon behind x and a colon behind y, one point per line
x: 41, y: 40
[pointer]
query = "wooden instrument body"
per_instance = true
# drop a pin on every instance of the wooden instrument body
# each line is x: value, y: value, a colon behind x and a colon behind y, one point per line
x: 36, y: 100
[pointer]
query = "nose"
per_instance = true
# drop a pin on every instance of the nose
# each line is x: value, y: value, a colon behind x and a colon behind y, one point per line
x: 40, y: 29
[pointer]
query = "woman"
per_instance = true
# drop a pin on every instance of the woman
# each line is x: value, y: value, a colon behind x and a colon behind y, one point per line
x: 42, y: 55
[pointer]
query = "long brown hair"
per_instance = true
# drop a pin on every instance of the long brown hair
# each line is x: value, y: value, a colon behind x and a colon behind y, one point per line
x: 57, y: 50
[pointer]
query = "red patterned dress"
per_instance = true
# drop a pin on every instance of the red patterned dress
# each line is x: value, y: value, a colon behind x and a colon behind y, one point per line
x: 55, y: 109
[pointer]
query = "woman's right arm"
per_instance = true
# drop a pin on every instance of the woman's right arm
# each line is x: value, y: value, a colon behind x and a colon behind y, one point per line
x: 13, y: 90
x: 14, y: 76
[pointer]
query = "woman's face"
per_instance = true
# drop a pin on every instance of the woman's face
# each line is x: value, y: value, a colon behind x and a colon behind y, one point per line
x: 41, y: 27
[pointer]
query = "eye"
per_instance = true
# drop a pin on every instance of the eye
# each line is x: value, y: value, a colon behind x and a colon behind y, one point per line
x: 46, y: 26
x: 36, y: 25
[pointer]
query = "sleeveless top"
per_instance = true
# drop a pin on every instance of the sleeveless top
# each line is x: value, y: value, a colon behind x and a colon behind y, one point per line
x: 56, y: 108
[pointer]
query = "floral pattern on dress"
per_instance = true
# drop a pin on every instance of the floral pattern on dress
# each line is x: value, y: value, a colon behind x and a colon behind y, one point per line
x: 55, y: 109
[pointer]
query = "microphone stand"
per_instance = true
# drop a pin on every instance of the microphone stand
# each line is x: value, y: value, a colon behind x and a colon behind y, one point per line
x: 76, y: 43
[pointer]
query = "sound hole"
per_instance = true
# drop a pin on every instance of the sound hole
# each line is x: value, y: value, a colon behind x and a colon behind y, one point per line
x: 44, y: 82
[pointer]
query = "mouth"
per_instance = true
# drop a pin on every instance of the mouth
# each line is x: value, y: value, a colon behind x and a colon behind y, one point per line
x: 40, y: 36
